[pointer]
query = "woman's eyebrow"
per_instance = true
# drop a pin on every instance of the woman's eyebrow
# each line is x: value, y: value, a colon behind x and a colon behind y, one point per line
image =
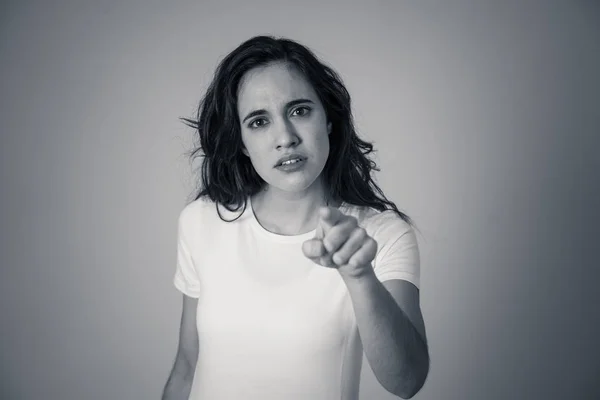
x: 298, y: 101
x: 254, y: 113
x: 288, y: 105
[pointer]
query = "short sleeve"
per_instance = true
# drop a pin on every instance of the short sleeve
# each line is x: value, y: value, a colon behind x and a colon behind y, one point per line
x: 398, y: 251
x: 186, y: 277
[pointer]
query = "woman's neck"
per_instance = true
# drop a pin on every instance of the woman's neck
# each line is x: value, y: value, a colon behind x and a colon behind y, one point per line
x: 288, y: 213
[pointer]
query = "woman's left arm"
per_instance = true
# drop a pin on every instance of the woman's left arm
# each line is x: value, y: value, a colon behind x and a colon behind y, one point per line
x: 392, y: 331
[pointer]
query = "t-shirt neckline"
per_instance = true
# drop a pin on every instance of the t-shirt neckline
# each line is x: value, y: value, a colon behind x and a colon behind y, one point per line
x: 276, y: 236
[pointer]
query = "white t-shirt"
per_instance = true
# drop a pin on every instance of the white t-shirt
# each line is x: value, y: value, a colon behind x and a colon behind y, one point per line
x: 271, y: 323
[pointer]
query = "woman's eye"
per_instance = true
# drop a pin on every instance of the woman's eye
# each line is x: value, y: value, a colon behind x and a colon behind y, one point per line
x: 257, y: 123
x: 301, y: 111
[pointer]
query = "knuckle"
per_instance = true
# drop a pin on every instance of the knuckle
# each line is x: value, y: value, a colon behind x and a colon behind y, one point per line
x: 338, y: 258
x: 360, y: 233
x: 372, y: 242
x: 373, y: 245
x: 329, y: 244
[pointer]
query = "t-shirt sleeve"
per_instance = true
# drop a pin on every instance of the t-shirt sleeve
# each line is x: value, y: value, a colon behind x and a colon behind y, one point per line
x: 186, y: 276
x: 397, y: 250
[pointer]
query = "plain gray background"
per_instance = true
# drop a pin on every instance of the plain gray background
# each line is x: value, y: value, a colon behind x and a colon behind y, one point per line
x: 486, y: 120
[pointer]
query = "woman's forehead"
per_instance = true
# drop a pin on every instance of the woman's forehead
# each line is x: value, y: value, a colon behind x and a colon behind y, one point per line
x: 273, y: 84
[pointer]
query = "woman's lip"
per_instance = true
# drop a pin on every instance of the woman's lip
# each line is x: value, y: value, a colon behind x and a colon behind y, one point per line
x: 292, y: 166
x: 289, y: 159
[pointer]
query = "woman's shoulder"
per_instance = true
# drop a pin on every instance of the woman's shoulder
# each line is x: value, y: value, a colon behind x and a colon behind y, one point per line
x: 206, y: 212
x: 391, y: 232
x: 377, y: 222
x: 198, y: 208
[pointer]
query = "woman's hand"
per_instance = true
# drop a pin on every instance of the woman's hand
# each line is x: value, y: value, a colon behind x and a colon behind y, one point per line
x: 341, y: 243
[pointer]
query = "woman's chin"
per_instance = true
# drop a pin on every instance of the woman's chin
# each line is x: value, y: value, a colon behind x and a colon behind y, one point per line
x: 293, y: 185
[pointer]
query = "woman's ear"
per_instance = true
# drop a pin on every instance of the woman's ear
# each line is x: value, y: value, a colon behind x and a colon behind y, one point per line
x: 329, y: 128
x: 245, y: 152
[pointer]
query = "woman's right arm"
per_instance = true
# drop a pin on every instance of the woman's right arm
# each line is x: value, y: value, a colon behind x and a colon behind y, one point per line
x: 179, y: 384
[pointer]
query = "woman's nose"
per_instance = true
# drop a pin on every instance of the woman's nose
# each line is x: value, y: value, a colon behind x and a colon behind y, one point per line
x: 287, y: 135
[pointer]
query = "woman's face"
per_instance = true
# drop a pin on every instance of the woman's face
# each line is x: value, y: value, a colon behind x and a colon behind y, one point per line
x: 281, y: 116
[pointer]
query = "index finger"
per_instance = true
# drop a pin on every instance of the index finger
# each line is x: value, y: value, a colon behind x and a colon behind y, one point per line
x: 330, y: 215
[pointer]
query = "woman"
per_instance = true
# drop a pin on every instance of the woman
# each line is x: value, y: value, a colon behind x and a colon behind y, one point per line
x: 291, y: 250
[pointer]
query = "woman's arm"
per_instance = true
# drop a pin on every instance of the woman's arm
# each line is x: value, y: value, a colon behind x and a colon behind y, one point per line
x: 180, y: 380
x: 392, y: 331
x: 388, y: 314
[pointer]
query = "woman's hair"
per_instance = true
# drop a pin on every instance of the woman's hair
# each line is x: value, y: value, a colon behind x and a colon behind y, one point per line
x: 227, y: 175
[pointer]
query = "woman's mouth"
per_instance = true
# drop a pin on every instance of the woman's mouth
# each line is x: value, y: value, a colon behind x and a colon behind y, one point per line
x: 291, y: 165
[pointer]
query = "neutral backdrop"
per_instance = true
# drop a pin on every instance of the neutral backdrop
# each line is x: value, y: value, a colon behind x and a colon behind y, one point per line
x: 486, y: 120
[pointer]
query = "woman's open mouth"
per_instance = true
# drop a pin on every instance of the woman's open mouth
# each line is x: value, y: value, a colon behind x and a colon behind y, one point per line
x: 291, y: 165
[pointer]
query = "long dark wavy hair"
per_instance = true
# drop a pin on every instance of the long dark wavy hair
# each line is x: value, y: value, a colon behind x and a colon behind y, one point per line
x: 227, y: 175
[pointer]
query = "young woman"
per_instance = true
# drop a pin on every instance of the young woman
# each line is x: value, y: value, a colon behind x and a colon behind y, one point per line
x: 291, y: 260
